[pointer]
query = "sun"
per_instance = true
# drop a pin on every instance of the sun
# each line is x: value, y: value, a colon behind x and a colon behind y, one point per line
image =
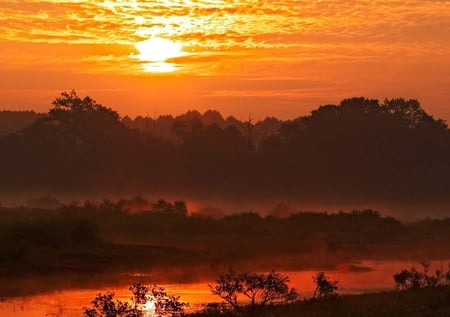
x: 158, y: 50
x: 154, y: 52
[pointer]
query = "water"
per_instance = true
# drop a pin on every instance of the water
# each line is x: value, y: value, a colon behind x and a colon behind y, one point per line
x: 366, y: 276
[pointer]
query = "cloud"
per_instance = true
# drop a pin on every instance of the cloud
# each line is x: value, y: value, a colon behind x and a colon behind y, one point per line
x: 331, y: 41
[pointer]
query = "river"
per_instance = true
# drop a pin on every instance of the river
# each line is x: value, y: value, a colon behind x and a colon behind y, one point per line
x: 353, y: 278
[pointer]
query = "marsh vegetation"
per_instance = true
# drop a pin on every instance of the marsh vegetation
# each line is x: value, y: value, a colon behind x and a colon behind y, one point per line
x: 356, y: 153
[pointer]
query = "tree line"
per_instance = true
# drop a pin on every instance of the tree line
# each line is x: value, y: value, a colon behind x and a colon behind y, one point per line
x: 304, y: 239
x: 358, y: 150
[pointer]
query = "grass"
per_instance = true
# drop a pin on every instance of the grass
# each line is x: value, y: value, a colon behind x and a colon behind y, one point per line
x: 412, y: 303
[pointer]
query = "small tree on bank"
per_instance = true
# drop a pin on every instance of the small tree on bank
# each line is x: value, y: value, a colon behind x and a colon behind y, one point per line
x: 260, y: 289
x: 324, y: 287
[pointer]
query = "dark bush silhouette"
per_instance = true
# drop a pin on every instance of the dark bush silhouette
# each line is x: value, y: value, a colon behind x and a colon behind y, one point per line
x: 259, y: 289
x: 324, y: 287
x: 161, y: 304
x: 414, y: 279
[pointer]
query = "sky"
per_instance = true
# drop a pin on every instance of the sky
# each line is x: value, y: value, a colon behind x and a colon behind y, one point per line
x: 244, y: 58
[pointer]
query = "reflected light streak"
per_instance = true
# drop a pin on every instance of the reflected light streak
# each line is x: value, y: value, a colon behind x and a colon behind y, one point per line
x: 159, y: 67
x: 150, y: 308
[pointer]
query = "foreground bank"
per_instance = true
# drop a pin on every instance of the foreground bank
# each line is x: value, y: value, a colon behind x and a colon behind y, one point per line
x: 412, y: 303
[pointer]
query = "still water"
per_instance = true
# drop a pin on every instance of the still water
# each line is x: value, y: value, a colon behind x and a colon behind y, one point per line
x: 366, y: 276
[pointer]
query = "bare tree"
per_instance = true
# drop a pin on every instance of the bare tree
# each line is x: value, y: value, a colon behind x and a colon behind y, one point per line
x: 260, y: 289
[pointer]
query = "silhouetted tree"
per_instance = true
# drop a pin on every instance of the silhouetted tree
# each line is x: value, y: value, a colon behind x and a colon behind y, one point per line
x: 177, y: 208
x: 357, y: 150
x: 414, y: 279
x: 260, y: 289
x: 324, y: 287
x: 162, y: 304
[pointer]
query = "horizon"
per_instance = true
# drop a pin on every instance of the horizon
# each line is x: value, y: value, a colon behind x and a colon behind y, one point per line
x: 225, y: 116
x: 278, y: 59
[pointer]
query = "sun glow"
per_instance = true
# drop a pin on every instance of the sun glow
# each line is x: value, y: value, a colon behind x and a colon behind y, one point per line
x: 150, y: 308
x: 156, y: 51
x: 159, y: 67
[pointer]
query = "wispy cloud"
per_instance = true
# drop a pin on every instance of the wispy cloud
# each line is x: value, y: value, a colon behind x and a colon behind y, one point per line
x: 224, y: 22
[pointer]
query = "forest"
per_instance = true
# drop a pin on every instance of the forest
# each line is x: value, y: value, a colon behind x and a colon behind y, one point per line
x: 360, y: 150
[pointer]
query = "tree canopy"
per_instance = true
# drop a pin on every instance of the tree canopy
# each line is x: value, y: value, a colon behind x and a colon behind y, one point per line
x: 360, y: 149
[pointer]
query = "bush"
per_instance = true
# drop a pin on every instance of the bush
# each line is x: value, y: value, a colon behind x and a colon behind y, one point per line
x: 154, y: 300
x: 414, y: 279
x: 260, y: 289
x: 324, y: 287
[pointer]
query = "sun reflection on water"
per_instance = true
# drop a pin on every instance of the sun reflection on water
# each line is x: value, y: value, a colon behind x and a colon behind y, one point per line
x: 353, y: 278
x: 149, y: 308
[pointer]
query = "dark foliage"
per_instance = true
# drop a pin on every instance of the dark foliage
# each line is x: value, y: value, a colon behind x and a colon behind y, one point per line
x: 355, y: 151
x: 258, y: 289
x: 13, y: 121
x: 324, y: 287
x: 162, y: 304
x: 414, y: 279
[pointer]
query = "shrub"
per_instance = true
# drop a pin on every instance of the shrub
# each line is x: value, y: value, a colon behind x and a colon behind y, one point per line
x: 260, y: 289
x: 414, y: 279
x: 324, y: 287
x: 144, y: 299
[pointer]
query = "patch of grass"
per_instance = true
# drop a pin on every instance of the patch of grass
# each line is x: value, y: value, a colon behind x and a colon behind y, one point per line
x: 412, y: 303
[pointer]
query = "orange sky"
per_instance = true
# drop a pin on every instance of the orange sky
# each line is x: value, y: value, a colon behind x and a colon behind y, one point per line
x: 277, y: 58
